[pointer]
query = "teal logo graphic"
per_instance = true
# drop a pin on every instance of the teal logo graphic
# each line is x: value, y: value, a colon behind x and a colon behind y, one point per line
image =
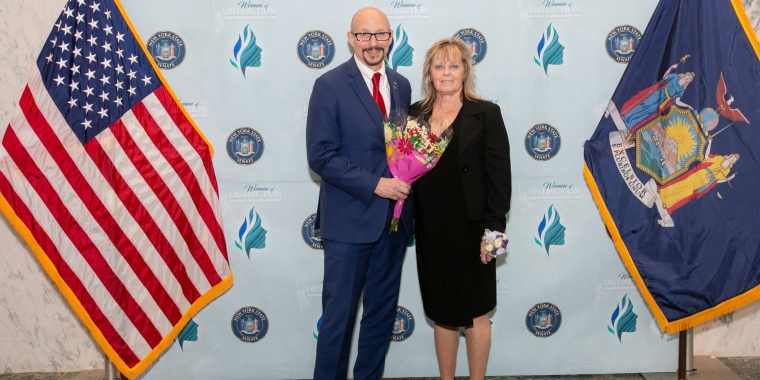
x: 399, y: 53
x: 251, y: 234
x: 550, y: 231
x: 246, y: 53
x: 550, y: 51
x: 188, y: 333
x: 319, y: 326
x: 623, y: 319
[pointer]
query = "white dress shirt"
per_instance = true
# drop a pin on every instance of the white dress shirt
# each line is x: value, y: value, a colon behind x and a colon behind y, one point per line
x: 385, y: 88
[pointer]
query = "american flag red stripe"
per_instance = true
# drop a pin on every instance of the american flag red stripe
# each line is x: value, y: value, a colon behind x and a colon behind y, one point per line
x: 187, y: 129
x: 71, y: 279
x: 100, y: 214
x: 143, y: 218
x: 180, y: 166
x: 154, y: 181
x: 112, y: 186
x: 75, y: 232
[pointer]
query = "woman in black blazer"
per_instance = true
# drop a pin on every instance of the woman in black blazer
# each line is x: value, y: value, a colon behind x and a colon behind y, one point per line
x: 466, y: 193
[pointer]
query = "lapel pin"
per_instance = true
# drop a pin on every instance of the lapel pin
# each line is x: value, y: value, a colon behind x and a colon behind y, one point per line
x: 395, y: 86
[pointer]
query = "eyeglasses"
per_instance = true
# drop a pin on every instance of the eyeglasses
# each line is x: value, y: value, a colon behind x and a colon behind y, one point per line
x: 364, y: 36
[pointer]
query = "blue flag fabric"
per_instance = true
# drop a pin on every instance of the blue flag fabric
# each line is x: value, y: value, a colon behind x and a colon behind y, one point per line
x: 674, y: 164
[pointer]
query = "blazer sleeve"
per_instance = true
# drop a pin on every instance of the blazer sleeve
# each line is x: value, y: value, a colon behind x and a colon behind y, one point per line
x: 497, y: 168
x: 323, y: 143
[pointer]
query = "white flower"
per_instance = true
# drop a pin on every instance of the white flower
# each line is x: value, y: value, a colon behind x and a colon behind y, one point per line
x: 489, y: 247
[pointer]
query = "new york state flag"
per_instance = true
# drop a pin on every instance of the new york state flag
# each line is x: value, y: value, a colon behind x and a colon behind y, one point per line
x: 674, y: 164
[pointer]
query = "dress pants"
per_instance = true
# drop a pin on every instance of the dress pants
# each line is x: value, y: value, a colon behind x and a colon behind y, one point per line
x: 350, y: 269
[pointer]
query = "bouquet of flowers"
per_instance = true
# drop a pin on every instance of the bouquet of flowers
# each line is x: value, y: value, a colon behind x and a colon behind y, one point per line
x: 496, y: 243
x: 412, y: 150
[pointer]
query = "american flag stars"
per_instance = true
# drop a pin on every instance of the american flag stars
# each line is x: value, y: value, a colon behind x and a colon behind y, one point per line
x: 92, y: 68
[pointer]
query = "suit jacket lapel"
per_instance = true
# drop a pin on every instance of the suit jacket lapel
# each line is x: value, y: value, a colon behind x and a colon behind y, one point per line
x: 360, y: 86
x: 470, y: 126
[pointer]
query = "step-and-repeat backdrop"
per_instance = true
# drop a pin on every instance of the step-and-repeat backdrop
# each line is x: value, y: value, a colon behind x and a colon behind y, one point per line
x: 244, y: 70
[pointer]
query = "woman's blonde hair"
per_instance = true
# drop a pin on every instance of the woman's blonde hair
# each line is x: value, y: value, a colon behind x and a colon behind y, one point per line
x: 452, y: 50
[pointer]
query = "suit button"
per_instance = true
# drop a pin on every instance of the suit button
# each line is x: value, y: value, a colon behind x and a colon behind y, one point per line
x: 465, y: 169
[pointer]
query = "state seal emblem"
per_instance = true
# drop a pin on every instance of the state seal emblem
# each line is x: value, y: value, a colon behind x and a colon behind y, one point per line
x: 167, y: 49
x: 542, y: 142
x: 475, y: 41
x: 315, y: 49
x: 245, y: 146
x: 403, y: 325
x: 250, y: 324
x: 622, y: 42
x: 543, y: 319
x: 309, y: 234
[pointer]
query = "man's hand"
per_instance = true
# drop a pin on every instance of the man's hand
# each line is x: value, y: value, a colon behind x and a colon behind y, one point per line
x: 392, y: 188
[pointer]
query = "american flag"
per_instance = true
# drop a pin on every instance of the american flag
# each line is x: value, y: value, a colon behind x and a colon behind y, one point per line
x: 111, y: 185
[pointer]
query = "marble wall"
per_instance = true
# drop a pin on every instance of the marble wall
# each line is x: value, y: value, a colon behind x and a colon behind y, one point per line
x: 38, y: 330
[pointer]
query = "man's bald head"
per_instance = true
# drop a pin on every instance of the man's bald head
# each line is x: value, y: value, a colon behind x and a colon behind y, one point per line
x: 370, y: 52
x: 369, y: 15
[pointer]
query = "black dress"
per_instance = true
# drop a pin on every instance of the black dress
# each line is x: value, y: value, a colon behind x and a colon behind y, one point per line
x: 455, y: 285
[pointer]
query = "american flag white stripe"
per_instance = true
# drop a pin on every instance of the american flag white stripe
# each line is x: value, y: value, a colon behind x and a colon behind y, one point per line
x: 131, y: 234
x: 193, y: 160
x: 97, y: 290
x: 80, y: 213
x: 156, y: 210
x: 185, y: 149
x: 116, y: 208
x: 143, y: 142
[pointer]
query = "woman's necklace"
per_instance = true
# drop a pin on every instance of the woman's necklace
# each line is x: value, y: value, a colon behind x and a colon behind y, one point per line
x: 443, y: 115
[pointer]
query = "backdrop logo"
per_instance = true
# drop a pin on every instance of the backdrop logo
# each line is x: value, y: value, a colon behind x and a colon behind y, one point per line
x: 399, y: 53
x: 188, y: 333
x: 549, y: 50
x: 550, y: 231
x: 622, y: 42
x: 553, y: 9
x: 167, y: 49
x: 554, y: 190
x: 305, y: 294
x: 309, y: 234
x: 622, y: 282
x: 475, y: 41
x: 250, y: 324
x: 316, y: 49
x: 246, y: 10
x: 403, y: 326
x: 254, y: 193
x: 319, y: 326
x: 402, y: 10
x: 195, y: 109
x: 623, y: 319
x: 501, y: 287
x: 542, y: 142
x: 246, y: 53
x: 251, y: 234
x: 245, y: 146
x: 543, y: 319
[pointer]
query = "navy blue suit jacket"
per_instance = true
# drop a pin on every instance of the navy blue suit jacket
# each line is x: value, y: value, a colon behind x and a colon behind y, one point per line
x: 346, y: 147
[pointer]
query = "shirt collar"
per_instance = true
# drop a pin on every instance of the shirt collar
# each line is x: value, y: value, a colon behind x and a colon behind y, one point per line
x: 366, y: 71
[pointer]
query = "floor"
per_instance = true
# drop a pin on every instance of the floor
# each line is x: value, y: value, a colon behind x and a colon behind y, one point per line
x: 706, y: 368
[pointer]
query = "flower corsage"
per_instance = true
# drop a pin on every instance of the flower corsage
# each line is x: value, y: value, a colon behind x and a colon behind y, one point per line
x: 496, y: 243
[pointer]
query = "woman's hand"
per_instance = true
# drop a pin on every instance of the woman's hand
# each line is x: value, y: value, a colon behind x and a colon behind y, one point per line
x: 484, y: 258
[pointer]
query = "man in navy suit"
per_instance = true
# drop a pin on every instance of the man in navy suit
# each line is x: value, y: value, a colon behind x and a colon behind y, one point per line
x: 346, y: 147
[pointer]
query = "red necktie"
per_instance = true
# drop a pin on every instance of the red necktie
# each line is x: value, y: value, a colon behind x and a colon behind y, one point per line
x: 376, y: 93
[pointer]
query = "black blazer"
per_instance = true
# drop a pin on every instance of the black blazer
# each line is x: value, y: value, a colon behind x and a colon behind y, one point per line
x: 484, y: 164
